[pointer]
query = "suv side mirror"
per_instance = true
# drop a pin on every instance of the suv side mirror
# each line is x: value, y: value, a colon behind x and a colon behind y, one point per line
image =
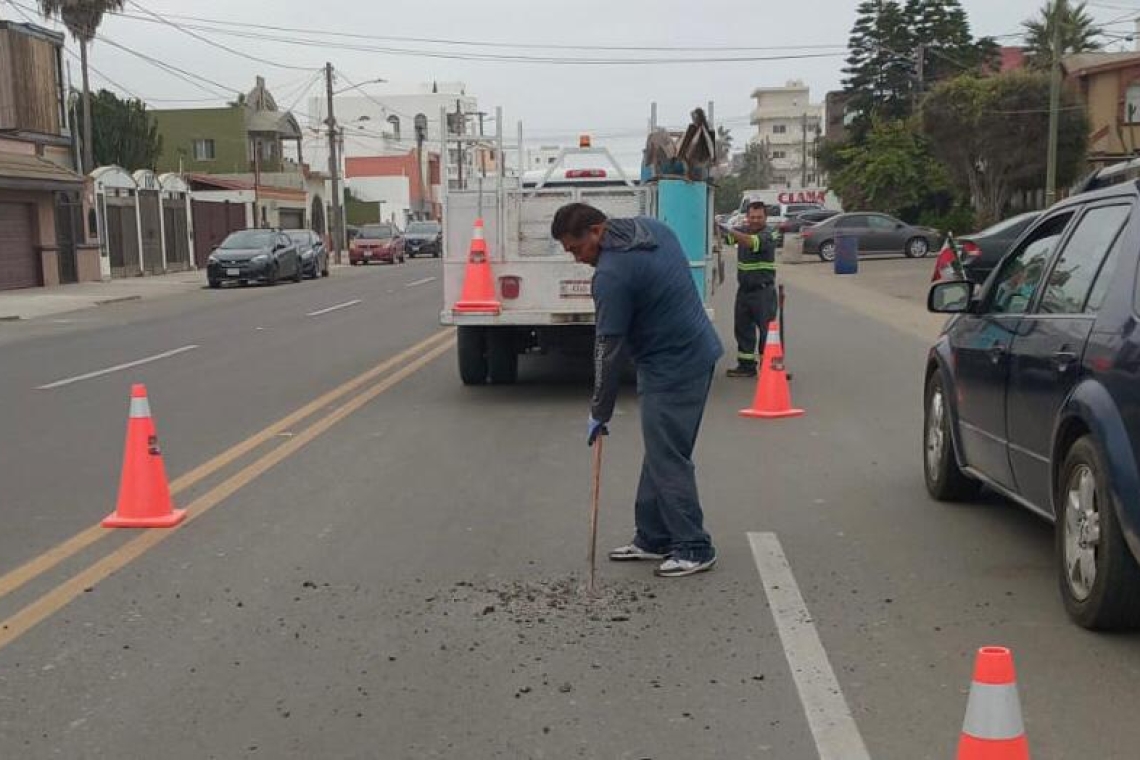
x: 950, y: 297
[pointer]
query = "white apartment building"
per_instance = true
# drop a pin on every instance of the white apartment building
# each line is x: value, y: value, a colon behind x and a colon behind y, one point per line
x: 542, y: 156
x: 789, y: 123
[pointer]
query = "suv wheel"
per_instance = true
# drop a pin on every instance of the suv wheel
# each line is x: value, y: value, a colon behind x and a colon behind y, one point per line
x: 502, y: 356
x: 827, y: 250
x: 471, y: 345
x: 1100, y: 580
x: 944, y: 478
x: 917, y: 248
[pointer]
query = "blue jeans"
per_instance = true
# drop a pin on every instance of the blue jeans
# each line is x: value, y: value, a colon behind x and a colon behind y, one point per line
x: 668, y: 511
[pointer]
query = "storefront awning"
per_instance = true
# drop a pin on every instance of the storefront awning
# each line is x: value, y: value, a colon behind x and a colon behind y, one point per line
x: 20, y: 172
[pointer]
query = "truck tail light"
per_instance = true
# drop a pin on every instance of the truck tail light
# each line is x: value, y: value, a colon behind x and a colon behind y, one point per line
x: 971, y: 249
x: 586, y: 174
x: 510, y: 287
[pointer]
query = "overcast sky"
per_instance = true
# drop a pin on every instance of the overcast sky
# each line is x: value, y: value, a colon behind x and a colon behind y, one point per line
x: 554, y: 102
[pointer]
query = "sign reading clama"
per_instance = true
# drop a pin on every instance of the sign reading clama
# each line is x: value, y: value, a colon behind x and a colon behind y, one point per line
x: 803, y: 196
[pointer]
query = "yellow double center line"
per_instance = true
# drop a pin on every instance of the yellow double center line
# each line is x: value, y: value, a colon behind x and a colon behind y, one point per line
x: 409, y: 362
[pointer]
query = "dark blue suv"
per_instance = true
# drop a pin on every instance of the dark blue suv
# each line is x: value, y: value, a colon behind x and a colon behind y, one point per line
x: 1033, y: 389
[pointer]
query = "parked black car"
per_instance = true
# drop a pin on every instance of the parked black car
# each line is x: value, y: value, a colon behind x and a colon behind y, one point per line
x: 796, y: 222
x: 424, y: 239
x: 254, y: 255
x: 1034, y: 390
x: 314, y: 257
x: 982, y: 251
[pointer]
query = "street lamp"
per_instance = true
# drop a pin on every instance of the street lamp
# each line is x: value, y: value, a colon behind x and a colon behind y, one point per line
x: 362, y: 84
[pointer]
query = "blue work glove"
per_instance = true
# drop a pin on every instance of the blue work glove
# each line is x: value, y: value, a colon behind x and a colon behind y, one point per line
x: 595, y: 429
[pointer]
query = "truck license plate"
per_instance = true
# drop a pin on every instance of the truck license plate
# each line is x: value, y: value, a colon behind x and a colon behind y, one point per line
x: 575, y: 289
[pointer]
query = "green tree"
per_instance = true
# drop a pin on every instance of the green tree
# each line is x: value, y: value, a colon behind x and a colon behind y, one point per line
x: 891, y: 171
x: 880, y: 70
x: 1079, y: 34
x: 944, y: 41
x: 122, y: 132
x: 990, y: 133
x: 723, y: 144
x: 756, y: 172
x: 82, y: 18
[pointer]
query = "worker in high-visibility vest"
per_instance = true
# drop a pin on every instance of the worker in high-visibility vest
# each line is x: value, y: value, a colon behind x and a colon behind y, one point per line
x: 756, y: 299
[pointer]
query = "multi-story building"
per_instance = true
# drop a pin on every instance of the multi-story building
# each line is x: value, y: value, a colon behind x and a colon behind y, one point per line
x: 1109, y: 86
x: 789, y: 124
x: 249, y: 152
x: 42, y: 221
x: 540, y: 158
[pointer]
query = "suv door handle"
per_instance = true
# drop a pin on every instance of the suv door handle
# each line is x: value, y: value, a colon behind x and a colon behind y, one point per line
x: 997, y: 353
x: 1063, y: 360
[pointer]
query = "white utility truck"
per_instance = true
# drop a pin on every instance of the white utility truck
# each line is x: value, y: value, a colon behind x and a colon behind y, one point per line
x: 543, y: 295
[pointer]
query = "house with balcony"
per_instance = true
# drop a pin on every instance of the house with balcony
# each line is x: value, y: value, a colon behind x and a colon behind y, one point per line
x: 1109, y: 86
x: 248, y: 154
x: 42, y: 197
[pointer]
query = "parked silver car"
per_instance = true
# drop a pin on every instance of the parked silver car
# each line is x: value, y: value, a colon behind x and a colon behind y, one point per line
x: 876, y: 233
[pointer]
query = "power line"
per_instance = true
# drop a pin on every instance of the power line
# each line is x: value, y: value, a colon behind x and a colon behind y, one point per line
x: 218, y: 45
x: 503, y: 45
x: 182, y: 74
x: 498, y: 58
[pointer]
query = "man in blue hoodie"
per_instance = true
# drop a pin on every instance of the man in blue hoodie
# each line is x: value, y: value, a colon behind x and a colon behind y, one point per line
x: 648, y: 308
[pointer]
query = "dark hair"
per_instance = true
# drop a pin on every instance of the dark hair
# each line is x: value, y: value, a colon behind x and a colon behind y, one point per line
x: 574, y: 219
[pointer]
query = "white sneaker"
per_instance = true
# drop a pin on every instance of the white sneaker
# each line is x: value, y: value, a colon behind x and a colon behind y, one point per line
x: 632, y: 552
x: 679, y: 568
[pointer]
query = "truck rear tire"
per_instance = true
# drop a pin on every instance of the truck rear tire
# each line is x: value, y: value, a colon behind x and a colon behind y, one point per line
x: 471, y: 344
x: 502, y: 356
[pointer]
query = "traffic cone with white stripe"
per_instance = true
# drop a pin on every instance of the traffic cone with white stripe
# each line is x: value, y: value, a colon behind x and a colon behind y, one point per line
x: 993, y: 729
x: 144, y: 494
x: 773, y: 398
x: 478, y: 296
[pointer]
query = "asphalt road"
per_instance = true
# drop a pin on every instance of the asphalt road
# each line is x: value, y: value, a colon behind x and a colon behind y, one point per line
x: 395, y: 571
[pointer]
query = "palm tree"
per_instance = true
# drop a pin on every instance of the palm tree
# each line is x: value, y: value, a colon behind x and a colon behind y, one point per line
x: 723, y: 144
x: 1079, y: 34
x: 82, y: 18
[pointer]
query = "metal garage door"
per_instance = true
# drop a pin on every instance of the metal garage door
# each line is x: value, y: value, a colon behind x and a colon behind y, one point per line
x: 291, y: 219
x: 18, y: 266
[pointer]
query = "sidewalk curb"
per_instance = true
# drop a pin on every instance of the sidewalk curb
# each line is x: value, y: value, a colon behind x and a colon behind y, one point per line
x: 121, y: 299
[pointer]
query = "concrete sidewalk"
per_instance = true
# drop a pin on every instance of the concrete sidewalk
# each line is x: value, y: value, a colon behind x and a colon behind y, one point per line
x: 33, y: 303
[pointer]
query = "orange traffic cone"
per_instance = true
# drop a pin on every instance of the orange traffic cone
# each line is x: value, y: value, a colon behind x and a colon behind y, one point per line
x: 773, y: 399
x: 993, y: 729
x: 478, y: 295
x: 144, y: 494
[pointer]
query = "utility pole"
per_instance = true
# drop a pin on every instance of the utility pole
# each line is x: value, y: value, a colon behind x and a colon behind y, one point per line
x: 804, y: 154
x: 1059, y: 10
x: 257, y: 182
x: 334, y: 169
x: 482, y: 149
x: 460, y: 129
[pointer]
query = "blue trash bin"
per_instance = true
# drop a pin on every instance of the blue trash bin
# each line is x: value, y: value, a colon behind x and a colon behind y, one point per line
x: 846, y: 254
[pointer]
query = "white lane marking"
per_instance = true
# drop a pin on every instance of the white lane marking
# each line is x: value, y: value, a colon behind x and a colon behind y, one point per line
x: 116, y: 368
x: 832, y: 726
x: 330, y: 309
x: 424, y: 281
